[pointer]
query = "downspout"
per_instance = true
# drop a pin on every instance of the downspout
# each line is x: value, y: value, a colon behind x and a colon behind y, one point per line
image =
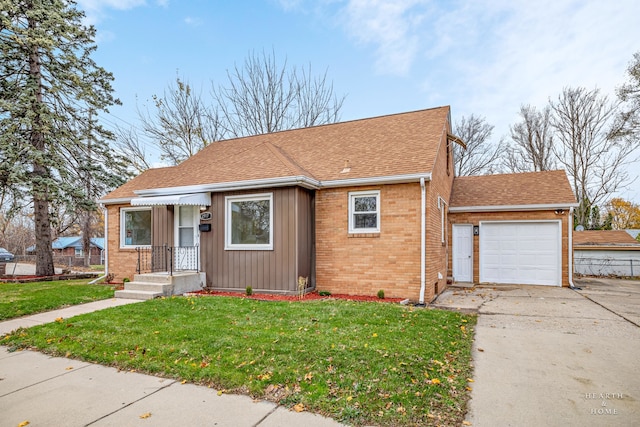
x: 570, y: 254
x: 106, y: 246
x: 423, y: 249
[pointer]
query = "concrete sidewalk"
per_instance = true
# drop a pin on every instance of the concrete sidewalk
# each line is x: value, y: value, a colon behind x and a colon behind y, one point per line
x: 548, y: 356
x: 56, y: 391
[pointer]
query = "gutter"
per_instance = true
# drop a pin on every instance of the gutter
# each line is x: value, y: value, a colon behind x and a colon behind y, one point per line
x: 423, y: 249
x: 302, y: 181
x: 498, y: 208
x: 106, y: 246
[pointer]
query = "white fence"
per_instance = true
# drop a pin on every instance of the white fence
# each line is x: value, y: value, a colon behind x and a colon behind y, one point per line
x: 606, y: 266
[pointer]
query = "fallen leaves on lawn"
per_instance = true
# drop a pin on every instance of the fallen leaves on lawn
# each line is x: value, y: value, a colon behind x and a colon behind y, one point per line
x: 265, y: 376
x: 299, y: 407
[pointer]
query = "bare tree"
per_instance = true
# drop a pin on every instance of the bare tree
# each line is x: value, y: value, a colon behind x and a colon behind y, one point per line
x: 532, y: 142
x: 129, y: 145
x: 589, y: 147
x: 181, y: 125
x: 480, y: 156
x: 264, y: 97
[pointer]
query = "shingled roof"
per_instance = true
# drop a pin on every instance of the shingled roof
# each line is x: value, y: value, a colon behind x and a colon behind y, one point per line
x: 603, y: 238
x: 387, y: 146
x: 548, y: 189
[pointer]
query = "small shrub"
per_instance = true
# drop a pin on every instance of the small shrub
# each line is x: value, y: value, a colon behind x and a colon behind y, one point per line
x: 324, y: 293
x: 381, y: 294
x: 125, y: 280
x: 248, y: 291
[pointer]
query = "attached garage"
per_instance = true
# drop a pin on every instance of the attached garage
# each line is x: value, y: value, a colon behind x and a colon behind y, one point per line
x: 521, y: 252
x: 515, y: 228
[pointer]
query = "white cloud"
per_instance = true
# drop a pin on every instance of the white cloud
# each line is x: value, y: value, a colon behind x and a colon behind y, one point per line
x: 194, y: 22
x: 95, y: 9
x: 393, y: 26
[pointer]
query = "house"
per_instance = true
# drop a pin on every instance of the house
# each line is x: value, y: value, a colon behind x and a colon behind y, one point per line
x: 606, y: 253
x: 352, y: 207
x: 69, y: 251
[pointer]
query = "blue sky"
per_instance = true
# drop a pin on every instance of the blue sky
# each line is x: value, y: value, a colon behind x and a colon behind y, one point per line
x: 484, y: 57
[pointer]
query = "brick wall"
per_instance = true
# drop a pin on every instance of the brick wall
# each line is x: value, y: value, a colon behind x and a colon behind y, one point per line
x: 437, y: 212
x: 474, y: 218
x: 362, y: 264
x: 389, y: 260
x: 122, y: 262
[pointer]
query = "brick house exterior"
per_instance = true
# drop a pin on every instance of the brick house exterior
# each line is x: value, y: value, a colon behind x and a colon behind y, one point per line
x: 353, y: 207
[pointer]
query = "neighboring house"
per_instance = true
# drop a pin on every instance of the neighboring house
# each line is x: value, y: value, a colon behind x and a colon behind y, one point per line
x: 69, y: 251
x: 351, y: 207
x: 606, y: 253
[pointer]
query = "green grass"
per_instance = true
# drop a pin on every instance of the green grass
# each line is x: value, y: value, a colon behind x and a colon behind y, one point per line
x: 20, y: 299
x: 360, y: 363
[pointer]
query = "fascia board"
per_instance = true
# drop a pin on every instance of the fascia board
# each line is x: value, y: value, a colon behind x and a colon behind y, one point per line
x: 582, y: 247
x: 376, y: 180
x: 504, y: 208
x: 118, y: 201
x: 233, y: 186
x: 302, y: 181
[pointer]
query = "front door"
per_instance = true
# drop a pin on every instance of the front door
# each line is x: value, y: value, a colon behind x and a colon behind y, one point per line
x: 462, y: 252
x: 187, y: 237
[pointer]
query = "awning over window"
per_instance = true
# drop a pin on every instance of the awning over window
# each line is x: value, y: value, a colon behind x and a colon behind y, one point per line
x: 198, y: 199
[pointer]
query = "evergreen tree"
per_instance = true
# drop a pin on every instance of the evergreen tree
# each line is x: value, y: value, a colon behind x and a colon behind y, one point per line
x: 50, y: 90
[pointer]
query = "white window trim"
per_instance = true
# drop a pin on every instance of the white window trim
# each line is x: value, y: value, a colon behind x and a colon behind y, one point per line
x: 352, y: 196
x: 78, y: 253
x: 123, y: 244
x: 228, y: 246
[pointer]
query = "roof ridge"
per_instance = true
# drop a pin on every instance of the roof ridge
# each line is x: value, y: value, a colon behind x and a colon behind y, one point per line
x: 287, y: 161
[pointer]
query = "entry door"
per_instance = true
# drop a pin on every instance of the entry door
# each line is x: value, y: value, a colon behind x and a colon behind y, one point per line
x: 187, y: 237
x: 462, y: 252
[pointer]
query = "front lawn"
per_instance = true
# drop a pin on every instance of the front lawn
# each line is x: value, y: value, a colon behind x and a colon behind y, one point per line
x: 360, y: 363
x: 20, y: 299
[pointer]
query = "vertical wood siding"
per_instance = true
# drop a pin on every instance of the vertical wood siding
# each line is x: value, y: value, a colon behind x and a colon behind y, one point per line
x: 162, y: 225
x: 274, y: 270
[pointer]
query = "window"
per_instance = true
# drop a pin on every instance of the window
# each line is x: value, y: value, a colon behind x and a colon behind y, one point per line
x: 79, y: 253
x: 364, y: 212
x: 249, y: 222
x: 135, y: 227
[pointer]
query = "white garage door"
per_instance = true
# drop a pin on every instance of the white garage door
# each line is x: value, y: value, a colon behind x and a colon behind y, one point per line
x: 521, y: 252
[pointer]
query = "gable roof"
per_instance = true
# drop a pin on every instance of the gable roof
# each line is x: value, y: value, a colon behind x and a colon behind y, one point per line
x: 399, y: 146
x: 603, y: 238
x: 515, y: 191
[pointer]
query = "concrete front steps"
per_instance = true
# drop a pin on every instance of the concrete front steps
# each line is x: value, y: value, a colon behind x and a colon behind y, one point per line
x: 154, y: 285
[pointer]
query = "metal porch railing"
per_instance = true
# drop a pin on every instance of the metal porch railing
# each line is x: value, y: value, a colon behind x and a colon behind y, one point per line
x: 155, y: 259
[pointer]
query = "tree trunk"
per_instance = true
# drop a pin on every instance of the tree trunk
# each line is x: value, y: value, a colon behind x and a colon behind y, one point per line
x: 86, y: 239
x: 40, y: 194
x: 44, y: 255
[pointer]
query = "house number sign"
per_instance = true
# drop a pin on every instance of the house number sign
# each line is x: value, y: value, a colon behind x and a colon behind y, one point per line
x: 205, y: 216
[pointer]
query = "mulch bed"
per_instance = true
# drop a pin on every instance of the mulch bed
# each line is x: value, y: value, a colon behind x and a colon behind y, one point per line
x: 311, y: 296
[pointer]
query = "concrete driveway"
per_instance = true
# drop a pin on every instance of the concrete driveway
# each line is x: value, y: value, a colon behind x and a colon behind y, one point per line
x: 554, y: 356
x: 23, y: 269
